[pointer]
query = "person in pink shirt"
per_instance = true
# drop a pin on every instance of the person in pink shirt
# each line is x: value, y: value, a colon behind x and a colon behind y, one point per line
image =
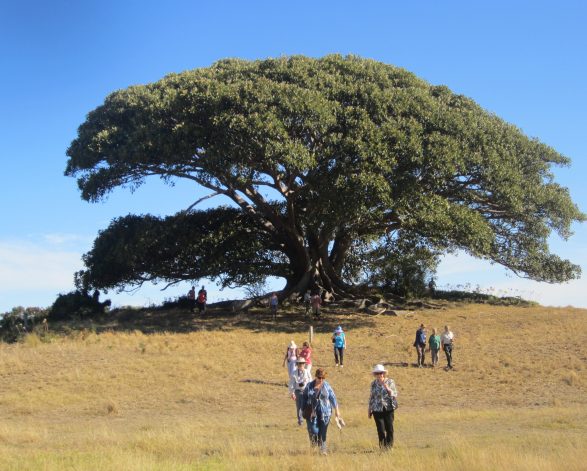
x: 306, y: 353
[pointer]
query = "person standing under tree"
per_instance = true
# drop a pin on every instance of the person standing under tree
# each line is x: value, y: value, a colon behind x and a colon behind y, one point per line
x: 307, y: 302
x: 192, y: 298
x: 273, y: 303
x: 202, y: 299
x: 447, y: 340
x: 316, y: 302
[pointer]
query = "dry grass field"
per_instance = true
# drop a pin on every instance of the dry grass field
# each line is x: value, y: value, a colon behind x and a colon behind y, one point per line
x: 174, y: 392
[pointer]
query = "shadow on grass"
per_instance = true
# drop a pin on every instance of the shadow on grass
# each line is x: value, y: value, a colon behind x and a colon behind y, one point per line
x: 177, y: 320
x: 260, y: 381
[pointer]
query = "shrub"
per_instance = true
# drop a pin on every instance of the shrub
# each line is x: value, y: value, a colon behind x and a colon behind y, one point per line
x: 76, y: 304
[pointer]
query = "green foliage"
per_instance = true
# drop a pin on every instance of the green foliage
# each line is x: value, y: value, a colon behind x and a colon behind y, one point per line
x: 481, y: 298
x: 323, y: 155
x: 76, y: 304
x: 219, y: 243
x: 402, y: 265
x: 14, y: 324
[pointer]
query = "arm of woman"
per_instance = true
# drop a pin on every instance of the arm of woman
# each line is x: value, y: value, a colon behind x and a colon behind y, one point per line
x: 371, y: 399
x: 333, y: 401
x: 390, y: 387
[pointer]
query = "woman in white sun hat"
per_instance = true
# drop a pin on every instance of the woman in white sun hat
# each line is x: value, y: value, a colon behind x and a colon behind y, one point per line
x: 382, y: 404
x: 291, y: 355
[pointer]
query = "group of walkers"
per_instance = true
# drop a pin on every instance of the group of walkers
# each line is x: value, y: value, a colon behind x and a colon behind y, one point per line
x: 316, y: 401
x: 435, y: 343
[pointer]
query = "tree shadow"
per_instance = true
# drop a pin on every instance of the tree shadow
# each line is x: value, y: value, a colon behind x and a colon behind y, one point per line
x: 177, y: 320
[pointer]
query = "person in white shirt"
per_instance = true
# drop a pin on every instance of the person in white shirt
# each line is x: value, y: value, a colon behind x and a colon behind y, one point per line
x: 447, y: 341
x: 297, y: 382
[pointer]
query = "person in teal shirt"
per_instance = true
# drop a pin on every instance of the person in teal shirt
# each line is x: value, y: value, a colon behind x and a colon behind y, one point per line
x: 434, y: 344
x: 339, y: 341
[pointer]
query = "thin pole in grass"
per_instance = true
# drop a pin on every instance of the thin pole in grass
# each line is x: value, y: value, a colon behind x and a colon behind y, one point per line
x: 311, y: 334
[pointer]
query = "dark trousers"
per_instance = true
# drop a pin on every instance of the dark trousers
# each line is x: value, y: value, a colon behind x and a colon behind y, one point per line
x: 384, y: 424
x: 421, y: 349
x: 448, y: 353
x: 338, y: 352
x: 201, y: 307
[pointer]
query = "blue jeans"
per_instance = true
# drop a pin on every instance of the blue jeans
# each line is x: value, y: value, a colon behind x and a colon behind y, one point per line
x: 298, y: 394
x: 317, y: 430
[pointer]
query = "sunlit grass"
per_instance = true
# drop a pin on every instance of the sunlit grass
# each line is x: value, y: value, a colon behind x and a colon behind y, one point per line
x: 214, y: 397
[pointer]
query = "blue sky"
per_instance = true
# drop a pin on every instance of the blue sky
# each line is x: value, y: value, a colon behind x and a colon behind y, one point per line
x: 524, y: 61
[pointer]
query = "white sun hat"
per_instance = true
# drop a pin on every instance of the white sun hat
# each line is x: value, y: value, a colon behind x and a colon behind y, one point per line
x: 379, y: 368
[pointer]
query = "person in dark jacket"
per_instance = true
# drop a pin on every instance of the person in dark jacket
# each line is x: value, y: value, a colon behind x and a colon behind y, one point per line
x: 420, y: 344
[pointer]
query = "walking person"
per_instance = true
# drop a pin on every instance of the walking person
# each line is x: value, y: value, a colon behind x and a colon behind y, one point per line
x: 297, y: 382
x: 202, y: 300
x: 447, y: 340
x: 318, y: 401
x: 420, y: 344
x: 382, y: 404
x: 434, y: 345
x: 291, y: 356
x: 339, y: 341
x: 306, y: 354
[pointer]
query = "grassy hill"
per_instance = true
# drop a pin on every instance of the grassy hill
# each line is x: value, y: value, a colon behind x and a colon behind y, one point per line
x: 152, y: 390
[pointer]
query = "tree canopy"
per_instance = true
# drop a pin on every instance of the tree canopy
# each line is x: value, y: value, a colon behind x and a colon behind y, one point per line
x: 322, y: 159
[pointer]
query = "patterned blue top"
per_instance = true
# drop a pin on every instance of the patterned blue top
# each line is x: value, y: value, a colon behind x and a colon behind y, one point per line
x: 322, y: 405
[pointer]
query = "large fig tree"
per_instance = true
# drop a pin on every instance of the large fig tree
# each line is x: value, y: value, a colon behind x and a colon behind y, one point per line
x: 318, y: 157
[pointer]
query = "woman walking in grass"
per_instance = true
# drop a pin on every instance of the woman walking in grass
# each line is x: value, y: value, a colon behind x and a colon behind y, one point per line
x: 318, y: 400
x: 306, y: 354
x: 382, y: 404
x: 297, y: 382
x: 339, y: 341
x: 434, y: 344
x: 291, y: 355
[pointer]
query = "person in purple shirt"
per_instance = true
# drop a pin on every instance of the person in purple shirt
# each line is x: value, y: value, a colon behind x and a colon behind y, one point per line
x: 420, y: 344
